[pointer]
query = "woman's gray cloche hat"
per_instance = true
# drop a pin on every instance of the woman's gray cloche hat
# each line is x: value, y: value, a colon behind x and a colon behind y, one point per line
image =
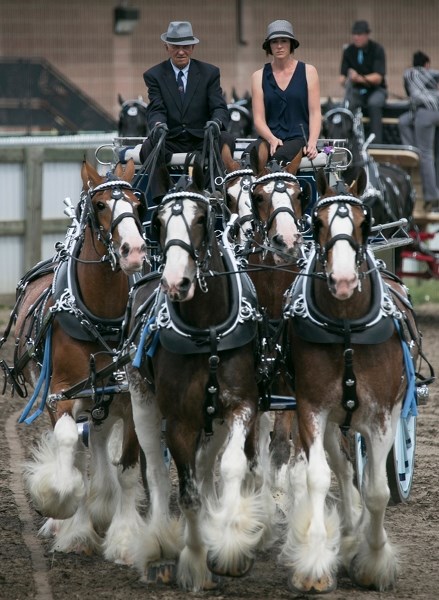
x: 179, y: 34
x: 279, y: 29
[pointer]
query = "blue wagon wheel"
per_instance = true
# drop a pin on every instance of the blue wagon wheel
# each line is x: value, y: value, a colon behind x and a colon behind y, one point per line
x: 400, y: 461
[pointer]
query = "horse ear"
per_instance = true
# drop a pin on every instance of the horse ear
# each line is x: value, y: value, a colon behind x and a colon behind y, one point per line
x: 358, y: 185
x: 90, y: 177
x: 294, y: 164
x: 121, y: 100
x: 229, y: 163
x: 164, y: 177
x: 197, y: 176
x: 322, y: 182
x: 129, y: 170
x: 259, y: 157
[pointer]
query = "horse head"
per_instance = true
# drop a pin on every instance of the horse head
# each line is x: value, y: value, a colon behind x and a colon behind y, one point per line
x: 341, y: 225
x: 278, y: 203
x: 113, y: 207
x: 237, y: 191
x: 133, y: 118
x: 184, y: 224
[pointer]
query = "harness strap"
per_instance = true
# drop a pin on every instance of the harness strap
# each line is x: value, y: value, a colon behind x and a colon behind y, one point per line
x: 212, y: 386
x: 350, y: 399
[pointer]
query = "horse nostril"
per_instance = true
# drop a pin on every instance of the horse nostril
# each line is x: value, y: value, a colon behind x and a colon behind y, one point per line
x: 278, y: 240
x: 185, y: 284
x: 124, y: 250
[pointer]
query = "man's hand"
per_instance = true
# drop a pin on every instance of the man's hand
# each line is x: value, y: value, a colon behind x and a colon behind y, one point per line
x: 157, y: 132
x: 214, y: 127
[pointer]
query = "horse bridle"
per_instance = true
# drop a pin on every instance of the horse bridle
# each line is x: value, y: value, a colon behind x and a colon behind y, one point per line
x: 247, y: 178
x: 280, y: 179
x: 106, y: 237
x: 175, y: 199
x: 342, y: 211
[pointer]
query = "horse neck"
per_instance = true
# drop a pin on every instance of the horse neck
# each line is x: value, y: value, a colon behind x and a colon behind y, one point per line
x: 103, y: 291
x: 271, y: 282
x: 355, y: 307
x: 209, y: 308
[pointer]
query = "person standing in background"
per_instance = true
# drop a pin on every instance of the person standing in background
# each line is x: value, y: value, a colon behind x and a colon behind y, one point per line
x: 421, y: 126
x: 363, y: 71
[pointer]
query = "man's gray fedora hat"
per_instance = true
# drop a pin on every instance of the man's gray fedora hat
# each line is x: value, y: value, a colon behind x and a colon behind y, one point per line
x: 279, y: 29
x: 179, y: 34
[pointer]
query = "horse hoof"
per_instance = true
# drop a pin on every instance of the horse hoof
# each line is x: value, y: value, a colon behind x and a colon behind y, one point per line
x: 214, y: 582
x: 163, y: 573
x: 239, y: 569
x: 307, y: 586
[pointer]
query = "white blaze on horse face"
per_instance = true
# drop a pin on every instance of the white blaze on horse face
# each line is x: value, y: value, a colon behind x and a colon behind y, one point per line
x: 244, y: 203
x: 132, y: 247
x: 178, y: 279
x: 284, y: 233
x: 342, y: 269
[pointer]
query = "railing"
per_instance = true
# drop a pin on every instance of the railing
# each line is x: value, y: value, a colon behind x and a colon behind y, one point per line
x: 37, y: 173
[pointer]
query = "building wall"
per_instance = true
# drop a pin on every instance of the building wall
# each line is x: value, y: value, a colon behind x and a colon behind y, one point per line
x: 77, y: 37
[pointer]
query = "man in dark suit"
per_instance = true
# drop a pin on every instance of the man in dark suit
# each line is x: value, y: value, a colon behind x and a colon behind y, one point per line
x: 185, y: 100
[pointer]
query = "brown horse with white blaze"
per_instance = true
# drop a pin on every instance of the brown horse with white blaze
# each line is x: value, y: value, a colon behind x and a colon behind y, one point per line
x: 69, y: 318
x: 198, y: 373
x: 346, y: 354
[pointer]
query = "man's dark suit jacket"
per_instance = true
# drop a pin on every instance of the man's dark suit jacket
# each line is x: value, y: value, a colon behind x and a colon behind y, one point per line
x: 203, y: 99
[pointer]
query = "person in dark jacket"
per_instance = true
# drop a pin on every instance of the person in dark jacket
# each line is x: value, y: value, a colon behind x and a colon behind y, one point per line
x: 185, y: 99
x: 363, y: 72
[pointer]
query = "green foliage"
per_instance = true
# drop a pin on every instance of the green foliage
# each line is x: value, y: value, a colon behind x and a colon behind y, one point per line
x: 423, y: 291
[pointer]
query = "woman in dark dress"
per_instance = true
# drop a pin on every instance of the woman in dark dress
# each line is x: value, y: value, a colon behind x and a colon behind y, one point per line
x: 286, y: 97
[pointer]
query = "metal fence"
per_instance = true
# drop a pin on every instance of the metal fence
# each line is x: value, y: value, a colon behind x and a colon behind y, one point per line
x: 37, y: 174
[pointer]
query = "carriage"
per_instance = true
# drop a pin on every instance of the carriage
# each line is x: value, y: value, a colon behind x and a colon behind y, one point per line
x: 140, y: 327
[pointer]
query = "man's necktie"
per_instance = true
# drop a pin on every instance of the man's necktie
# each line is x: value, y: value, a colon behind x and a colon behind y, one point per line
x: 360, y: 56
x: 180, y: 84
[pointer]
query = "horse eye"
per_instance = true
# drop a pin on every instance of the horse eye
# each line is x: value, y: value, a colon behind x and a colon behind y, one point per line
x: 201, y: 220
x: 101, y: 206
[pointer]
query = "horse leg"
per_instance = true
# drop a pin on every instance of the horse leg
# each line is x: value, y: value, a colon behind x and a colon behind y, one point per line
x: 375, y: 563
x: 312, y: 543
x: 155, y: 550
x: 206, y: 458
x: 127, y: 523
x: 336, y: 446
x: 280, y: 447
x: 53, y: 478
x: 237, y: 523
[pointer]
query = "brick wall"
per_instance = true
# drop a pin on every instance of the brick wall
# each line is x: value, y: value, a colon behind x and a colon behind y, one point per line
x: 77, y: 37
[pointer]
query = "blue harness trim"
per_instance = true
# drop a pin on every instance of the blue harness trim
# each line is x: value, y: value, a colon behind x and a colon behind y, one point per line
x: 45, y: 376
x: 152, y: 346
x: 409, y: 405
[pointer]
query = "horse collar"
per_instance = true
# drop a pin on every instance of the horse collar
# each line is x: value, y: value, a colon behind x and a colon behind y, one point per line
x: 314, y: 326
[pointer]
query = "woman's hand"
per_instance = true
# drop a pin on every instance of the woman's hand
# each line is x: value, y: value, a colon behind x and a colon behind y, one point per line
x: 274, y: 144
x: 310, y: 151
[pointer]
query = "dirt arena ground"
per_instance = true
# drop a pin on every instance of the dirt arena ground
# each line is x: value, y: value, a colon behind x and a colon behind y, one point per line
x: 28, y: 570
